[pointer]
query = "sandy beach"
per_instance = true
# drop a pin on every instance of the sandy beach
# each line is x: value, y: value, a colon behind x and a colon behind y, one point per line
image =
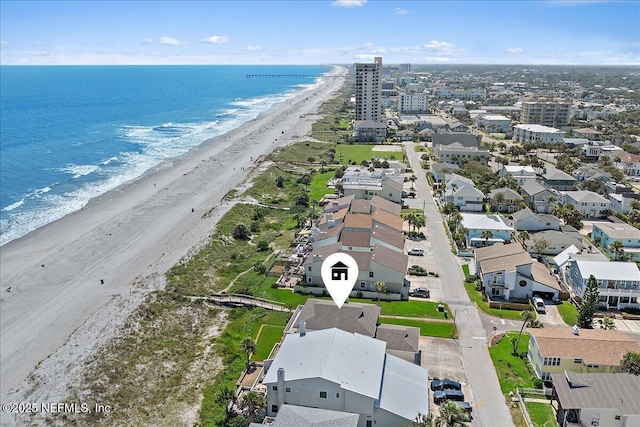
x: 67, y: 286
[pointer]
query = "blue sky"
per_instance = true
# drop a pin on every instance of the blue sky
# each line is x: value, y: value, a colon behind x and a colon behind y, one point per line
x: 317, y: 32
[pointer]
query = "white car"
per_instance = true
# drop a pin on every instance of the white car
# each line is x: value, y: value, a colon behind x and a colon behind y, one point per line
x: 416, y: 251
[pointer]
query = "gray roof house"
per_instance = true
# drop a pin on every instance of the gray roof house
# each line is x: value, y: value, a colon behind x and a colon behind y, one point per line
x: 558, y: 180
x: 590, y: 204
x: 538, y: 197
x: 526, y: 220
x: 439, y: 169
x: 509, y: 198
x: 557, y: 241
x: 603, y: 399
x: 466, y: 198
x: 301, y: 416
x: 465, y: 139
x: 346, y: 372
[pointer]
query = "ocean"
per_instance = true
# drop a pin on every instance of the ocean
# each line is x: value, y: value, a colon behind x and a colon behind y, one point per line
x: 72, y: 133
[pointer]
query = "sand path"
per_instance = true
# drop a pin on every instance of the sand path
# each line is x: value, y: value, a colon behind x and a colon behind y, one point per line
x: 138, y: 231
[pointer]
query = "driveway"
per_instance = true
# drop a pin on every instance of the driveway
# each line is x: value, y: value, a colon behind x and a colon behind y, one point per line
x: 551, y: 317
x: 491, y: 409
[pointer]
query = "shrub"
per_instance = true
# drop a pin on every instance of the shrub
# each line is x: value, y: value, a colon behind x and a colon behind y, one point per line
x: 255, y: 227
x: 263, y: 245
x: 240, y: 232
x: 359, y: 294
x: 259, y: 268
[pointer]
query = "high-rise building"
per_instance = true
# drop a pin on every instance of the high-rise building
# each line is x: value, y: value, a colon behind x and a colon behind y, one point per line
x: 552, y: 112
x: 368, y: 91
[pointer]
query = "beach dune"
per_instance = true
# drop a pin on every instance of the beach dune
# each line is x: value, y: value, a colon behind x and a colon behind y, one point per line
x: 65, y: 274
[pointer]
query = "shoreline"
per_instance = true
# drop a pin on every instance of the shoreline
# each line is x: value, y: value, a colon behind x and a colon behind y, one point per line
x: 68, y: 275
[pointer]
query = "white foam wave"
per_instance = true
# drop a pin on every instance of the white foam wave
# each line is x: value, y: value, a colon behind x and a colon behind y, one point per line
x: 13, y: 206
x: 79, y: 170
x: 109, y: 160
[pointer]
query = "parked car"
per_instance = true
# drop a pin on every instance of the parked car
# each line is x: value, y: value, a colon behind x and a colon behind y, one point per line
x: 445, y: 383
x: 538, y: 303
x: 440, y: 396
x: 416, y: 252
x: 420, y: 292
x: 465, y: 406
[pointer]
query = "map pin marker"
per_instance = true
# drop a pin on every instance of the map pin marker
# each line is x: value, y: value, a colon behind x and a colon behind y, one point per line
x: 339, y: 274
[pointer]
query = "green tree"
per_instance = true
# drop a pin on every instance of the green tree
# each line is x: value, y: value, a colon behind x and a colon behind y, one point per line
x: 225, y: 396
x: 498, y: 200
x: 240, y: 232
x: 539, y: 245
x: 413, y: 179
x: 451, y: 415
x: 486, y: 235
x: 419, y: 222
x: 569, y: 214
x: 263, y: 245
x: 422, y: 420
x: 607, y: 323
x: 253, y: 403
x: 248, y: 346
x: 527, y: 316
x: 631, y: 362
x: 279, y: 181
x: 617, y: 249
x: 589, y: 304
x: 381, y: 288
x: 302, y: 198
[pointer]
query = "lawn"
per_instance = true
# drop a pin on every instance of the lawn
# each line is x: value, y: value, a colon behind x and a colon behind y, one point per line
x: 512, y: 370
x: 427, y: 329
x: 426, y: 309
x: 360, y: 152
x: 261, y: 286
x: 540, y: 413
x: 267, y: 337
x: 318, y: 187
x: 465, y: 269
x: 476, y: 297
x: 569, y: 313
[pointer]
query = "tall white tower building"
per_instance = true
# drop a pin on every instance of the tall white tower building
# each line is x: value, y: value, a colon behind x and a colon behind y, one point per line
x: 368, y: 91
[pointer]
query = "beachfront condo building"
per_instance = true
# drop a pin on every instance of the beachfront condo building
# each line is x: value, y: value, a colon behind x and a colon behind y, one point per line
x: 369, y: 91
x: 552, y: 112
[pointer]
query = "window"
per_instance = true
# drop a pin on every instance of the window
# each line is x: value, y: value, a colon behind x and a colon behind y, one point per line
x: 337, y: 395
x: 309, y: 279
x: 617, y: 417
x: 369, y: 423
x: 309, y: 268
x: 522, y: 283
x: 274, y: 387
x: 274, y: 408
x: 577, y: 360
x: 287, y: 389
x: 323, y: 395
x: 371, y: 274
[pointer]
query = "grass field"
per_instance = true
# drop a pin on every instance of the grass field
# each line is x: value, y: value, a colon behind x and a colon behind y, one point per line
x: 267, y: 337
x: 465, y: 269
x: 476, y: 297
x: 426, y: 309
x: 540, y: 413
x: 360, y: 152
x: 568, y: 312
x: 512, y: 370
x: 427, y: 329
x: 318, y: 186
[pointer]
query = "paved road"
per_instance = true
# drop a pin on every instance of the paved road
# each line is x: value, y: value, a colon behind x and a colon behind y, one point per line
x: 491, y: 410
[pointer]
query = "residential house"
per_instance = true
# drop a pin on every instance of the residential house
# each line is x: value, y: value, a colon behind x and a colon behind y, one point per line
x: 348, y: 372
x: 526, y: 220
x: 404, y: 135
x: 587, y: 133
x: 539, y: 198
x: 562, y: 348
x: 510, y: 200
x: 364, y: 184
x: 585, y: 172
x: 301, y: 416
x: 629, y: 163
x: 561, y: 259
x: 477, y: 224
x: 458, y: 127
x: 508, y: 272
x: 466, y: 198
x: 610, y: 232
x: 537, y: 133
x: 455, y: 181
x: 605, y: 400
x: 590, y: 204
x: 495, y: 123
x: 402, y: 341
x: 557, y: 240
x: 439, y: 169
x: 618, y: 282
x: 520, y: 174
x: 369, y: 131
x: 460, y: 154
x: 558, y: 180
x: 465, y: 139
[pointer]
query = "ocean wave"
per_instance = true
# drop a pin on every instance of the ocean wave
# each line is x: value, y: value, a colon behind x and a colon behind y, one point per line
x: 80, y: 170
x: 109, y: 160
x: 13, y: 206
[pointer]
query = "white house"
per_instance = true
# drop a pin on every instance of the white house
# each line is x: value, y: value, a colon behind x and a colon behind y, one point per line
x: 364, y: 184
x: 477, y: 224
x: 590, y: 204
x: 495, y: 123
x: 521, y: 174
x: 413, y: 102
x: 537, y: 133
x: 539, y: 198
x: 348, y: 372
x: 466, y: 198
x: 369, y: 131
x: 526, y: 220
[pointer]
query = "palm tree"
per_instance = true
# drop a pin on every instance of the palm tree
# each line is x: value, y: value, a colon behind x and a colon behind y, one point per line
x: 607, y: 323
x: 381, y: 288
x: 253, y: 403
x: 527, y: 316
x: 225, y: 396
x: 635, y: 204
x: 413, y: 180
x: 486, y: 235
x: 451, y: 415
x: 410, y: 218
x: 498, y: 199
x: 617, y: 249
x: 419, y: 221
x: 524, y: 235
x: 248, y: 346
x: 550, y: 200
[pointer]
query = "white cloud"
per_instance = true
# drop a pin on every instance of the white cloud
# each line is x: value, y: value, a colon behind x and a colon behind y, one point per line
x: 4, y: 43
x: 365, y: 56
x: 401, y: 11
x: 437, y: 59
x: 147, y: 41
x: 253, y: 48
x: 217, y: 39
x: 172, y: 42
x: 349, y: 3
x: 514, y: 50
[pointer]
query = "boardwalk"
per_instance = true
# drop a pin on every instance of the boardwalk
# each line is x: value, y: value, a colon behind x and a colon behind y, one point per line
x: 236, y: 300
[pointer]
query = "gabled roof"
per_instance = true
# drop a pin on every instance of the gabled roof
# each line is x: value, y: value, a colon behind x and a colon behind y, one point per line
x: 388, y: 219
x: 594, y: 346
x: 532, y: 187
x: 361, y: 239
x: 379, y: 203
x: 618, y: 392
x: 353, y: 361
x: 388, y: 235
x: 586, y: 196
x: 358, y: 221
x: 540, y: 274
x: 466, y: 139
x: 459, y: 180
x: 388, y: 257
x: 404, y: 389
x: 352, y: 317
x: 618, y: 230
x: 439, y: 167
x: 506, y: 263
x: 302, y: 416
x: 320, y: 254
x: 558, y: 238
x: 466, y: 191
x: 608, y: 270
x: 522, y: 214
x: 557, y: 175
x: 327, y: 233
x: 360, y: 206
x: 563, y: 256
x: 402, y: 338
x: 509, y: 194
x: 497, y: 250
